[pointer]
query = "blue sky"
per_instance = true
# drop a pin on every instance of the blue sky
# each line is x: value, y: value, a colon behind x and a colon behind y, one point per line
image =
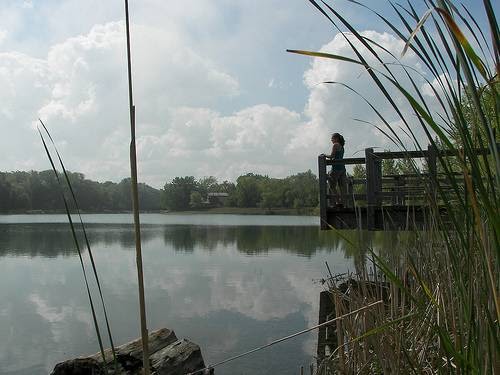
x: 215, y: 91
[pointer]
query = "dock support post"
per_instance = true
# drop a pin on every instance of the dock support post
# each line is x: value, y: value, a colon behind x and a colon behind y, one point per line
x: 371, y: 186
x: 322, y: 191
x: 326, y: 310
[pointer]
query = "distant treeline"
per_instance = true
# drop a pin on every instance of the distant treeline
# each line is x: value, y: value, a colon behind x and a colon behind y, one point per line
x: 251, y: 190
x: 39, y: 191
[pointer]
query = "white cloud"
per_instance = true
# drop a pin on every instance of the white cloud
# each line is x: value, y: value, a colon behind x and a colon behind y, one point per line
x: 203, y: 142
x: 27, y: 4
x: 3, y: 35
x: 439, y: 86
x: 334, y: 108
x: 80, y: 91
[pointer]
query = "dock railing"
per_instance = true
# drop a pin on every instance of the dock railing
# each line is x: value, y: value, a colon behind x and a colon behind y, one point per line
x: 377, y: 192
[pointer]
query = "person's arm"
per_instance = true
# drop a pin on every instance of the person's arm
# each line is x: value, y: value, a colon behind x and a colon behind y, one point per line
x: 335, y: 148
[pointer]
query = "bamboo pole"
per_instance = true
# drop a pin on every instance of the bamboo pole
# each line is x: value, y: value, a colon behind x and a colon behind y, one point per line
x: 135, y: 205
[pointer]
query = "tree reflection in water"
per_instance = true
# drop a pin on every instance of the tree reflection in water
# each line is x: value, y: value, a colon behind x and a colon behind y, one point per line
x: 228, y: 287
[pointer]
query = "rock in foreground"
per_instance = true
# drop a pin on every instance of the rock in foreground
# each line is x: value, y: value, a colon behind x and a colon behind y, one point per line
x: 167, y: 355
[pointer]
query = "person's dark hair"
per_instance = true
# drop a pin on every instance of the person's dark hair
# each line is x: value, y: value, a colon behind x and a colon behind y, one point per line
x: 340, y: 138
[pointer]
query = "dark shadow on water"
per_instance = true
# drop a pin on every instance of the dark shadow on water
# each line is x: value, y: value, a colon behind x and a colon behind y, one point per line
x: 45, y: 240
x: 52, y: 240
x: 254, y: 240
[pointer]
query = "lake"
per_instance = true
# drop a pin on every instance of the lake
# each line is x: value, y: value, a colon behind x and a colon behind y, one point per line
x: 227, y: 282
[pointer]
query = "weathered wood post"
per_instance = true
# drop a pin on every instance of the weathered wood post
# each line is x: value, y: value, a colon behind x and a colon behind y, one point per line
x: 322, y: 191
x: 394, y: 198
x: 326, y: 307
x: 378, y: 180
x: 432, y: 168
x: 371, y: 186
x: 403, y: 193
x: 399, y: 190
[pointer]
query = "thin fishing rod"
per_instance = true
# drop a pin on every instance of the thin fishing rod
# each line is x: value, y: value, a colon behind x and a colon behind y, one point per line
x: 208, y: 369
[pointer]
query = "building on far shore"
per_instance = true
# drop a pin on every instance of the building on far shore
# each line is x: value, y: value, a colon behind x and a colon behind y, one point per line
x: 217, y: 199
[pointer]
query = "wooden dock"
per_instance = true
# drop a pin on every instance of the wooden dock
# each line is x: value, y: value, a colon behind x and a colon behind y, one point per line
x: 384, y: 202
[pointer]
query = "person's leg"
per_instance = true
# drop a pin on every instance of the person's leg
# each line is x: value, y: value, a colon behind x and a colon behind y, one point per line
x: 336, y: 186
x: 343, y: 187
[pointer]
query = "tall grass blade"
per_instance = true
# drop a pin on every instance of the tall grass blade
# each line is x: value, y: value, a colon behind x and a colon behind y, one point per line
x: 77, y: 245
x: 464, y: 42
x: 135, y: 205
x: 415, y: 32
x: 323, y: 54
x: 495, y: 34
x: 87, y: 242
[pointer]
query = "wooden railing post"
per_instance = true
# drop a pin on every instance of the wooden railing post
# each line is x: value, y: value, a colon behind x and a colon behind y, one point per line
x: 371, y: 186
x: 400, y: 187
x: 378, y: 180
x: 432, y: 169
x: 322, y: 191
x: 394, y: 199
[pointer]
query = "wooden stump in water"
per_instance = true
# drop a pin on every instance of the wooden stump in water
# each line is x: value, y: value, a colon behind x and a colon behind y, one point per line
x: 168, y: 355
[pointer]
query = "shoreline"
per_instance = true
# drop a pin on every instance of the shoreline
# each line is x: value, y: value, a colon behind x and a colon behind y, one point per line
x: 308, y: 211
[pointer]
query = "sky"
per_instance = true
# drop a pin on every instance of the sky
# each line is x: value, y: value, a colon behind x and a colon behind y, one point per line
x: 215, y: 91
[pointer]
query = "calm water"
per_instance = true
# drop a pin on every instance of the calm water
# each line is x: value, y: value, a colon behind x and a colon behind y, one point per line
x: 227, y: 282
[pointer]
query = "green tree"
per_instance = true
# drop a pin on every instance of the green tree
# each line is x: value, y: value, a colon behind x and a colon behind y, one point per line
x: 407, y: 166
x: 359, y: 173
x: 272, y: 193
x: 123, y: 195
x: 207, y: 185
x: 301, y: 190
x: 248, y: 190
x: 389, y: 167
x: 177, y: 194
x: 5, y: 191
x: 195, y: 199
x: 230, y: 189
x: 489, y: 108
x: 23, y: 191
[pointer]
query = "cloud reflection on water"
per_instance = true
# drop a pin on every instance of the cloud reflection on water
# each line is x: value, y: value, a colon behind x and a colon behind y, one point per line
x: 226, y: 288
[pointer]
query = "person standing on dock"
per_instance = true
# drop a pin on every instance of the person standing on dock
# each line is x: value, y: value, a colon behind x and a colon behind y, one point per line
x: 337, y: 177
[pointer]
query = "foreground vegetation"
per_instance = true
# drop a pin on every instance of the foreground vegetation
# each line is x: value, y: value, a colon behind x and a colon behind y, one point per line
x: 441, y: 293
